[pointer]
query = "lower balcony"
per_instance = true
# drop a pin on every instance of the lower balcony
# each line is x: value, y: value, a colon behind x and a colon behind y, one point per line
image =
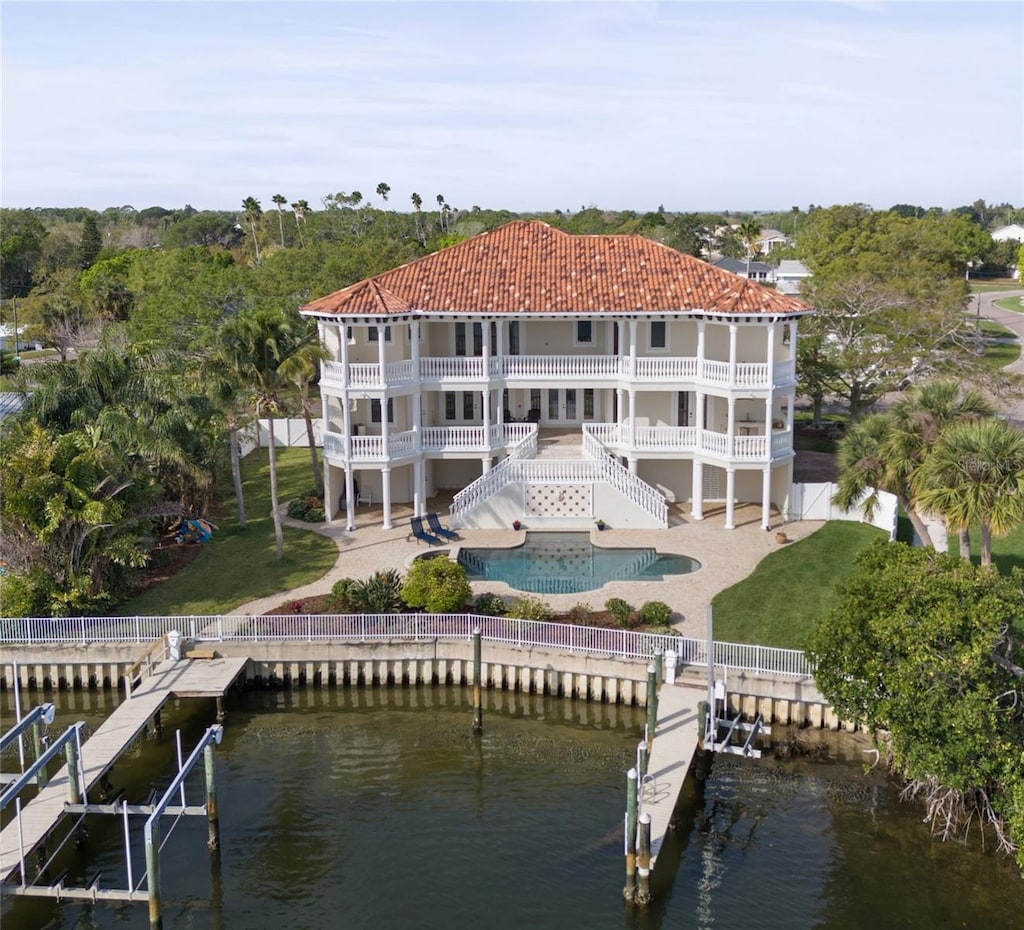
x: 664, y: 441
x: 434, y: 440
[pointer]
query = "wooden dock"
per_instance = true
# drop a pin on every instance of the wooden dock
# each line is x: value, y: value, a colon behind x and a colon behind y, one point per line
x: 183, y: 679
x: 675, y: 743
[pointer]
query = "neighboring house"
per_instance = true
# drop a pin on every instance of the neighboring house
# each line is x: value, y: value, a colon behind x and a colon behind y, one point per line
x: 770, y: 238
x: 8, y: 342
x: 669, y: 379
x: 756, y: 271
x: 789, y: 274
x: 1005, y: 233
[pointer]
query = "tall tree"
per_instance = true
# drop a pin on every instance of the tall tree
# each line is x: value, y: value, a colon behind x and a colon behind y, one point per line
x: 750, y: 232
x: 975, y: 474
x: 91, y: 243
x: 279, y: 201
x: 300, y: 208
x: 383, y: 190
x: 256, y: 344
x: 918, y: 419
x: 302, y: 368
x: 417, y: 206
x: 253, y: 211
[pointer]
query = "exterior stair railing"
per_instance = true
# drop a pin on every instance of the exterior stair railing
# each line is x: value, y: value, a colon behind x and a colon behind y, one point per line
x: 624, y: 481
x: 493, y: 481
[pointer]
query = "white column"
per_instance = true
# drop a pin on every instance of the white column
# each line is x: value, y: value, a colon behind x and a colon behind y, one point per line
x: 697, y: 494
x: 419, y: 498
x: 730, y: 494
x: 350, y: 499
x: 790, y: 410
x: 331, y: 494
x: 385, y: 475
x: 733, y: 333
x: 730, y: 429
x: 632, y: 462
x: 485, y: 394
x: 620, y: 410
x: 792, y: 341
x: 701, y: 327
x: 768, y: 425
x: 632, y: 348
x: 766, y: 495
x: 632, y: 416
x: 499, y: 339
x: 346, y: 403
x: 771, y: 354
x: 485, y: 464
x: 382, y: 354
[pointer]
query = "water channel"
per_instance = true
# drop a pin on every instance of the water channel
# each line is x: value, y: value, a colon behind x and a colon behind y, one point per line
x: 378, y: 807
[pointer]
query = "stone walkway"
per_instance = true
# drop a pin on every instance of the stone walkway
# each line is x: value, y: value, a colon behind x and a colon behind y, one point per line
x: 726, y: 557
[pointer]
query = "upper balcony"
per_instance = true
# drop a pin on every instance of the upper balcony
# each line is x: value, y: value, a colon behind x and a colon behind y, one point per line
x: 575, y: 370
x: 688, y: 440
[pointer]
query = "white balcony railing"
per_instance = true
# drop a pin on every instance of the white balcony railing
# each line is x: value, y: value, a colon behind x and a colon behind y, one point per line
x: 432, y: 439
x: 579, y: 368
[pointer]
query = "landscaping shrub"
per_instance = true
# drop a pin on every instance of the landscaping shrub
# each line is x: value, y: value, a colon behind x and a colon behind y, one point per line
x: 656, y: 613
x: 620, y: 610
x: 25, y: 595
x: 381, y: 593
x: 309, y: 507
x: 438, y: 585
x: 341, y: 600
x: 527, y: 607
x: 490, y: 604
x: 580, y: 613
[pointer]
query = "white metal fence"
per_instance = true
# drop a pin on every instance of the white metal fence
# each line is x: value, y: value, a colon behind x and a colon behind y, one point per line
x: 399, y: 627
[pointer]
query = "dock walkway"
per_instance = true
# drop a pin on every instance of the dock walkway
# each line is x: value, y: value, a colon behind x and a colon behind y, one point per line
x: 182, y: 679
x: 675, y: 743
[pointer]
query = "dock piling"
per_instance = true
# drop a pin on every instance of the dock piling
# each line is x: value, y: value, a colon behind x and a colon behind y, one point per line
x: 478, y: 704
x: 630, y: 842
x: 152, y: 834
x: 71, y: 755
x: 212, y: 818
x: 642, y: 759
x: 643, y: 860
x: 652, y: 702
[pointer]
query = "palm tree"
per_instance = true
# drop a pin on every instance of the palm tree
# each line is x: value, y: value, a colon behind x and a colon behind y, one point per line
x: 918, y: 419
x: 975, y: 474
x: 440, y: 211
x: 227, y: 393
x: 253, y: 212
x: 300, y: 208
x: 383, y: 190
x: 867, y: 467
x: 301, y: 368
x: 750, y: 232
x: 258, y: 345
x: 279, y: 201
x: 417, y: 205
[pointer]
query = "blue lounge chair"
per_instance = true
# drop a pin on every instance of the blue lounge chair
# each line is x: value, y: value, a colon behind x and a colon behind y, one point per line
x: 420, y: 533
x: 435, y: 527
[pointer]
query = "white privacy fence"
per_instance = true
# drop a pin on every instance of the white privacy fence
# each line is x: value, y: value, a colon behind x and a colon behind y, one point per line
x: 814, y: 502
x: 288, y: 432
x: 403, y: 627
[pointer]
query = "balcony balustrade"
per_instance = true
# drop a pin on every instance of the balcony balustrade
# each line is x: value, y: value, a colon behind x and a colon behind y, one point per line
x: 579, y: 369
x: 499, y: 437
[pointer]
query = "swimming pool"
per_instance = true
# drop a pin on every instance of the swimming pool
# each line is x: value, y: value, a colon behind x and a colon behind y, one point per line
x: 568, y: 563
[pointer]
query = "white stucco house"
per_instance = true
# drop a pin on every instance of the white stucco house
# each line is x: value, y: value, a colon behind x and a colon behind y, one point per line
x: 1005, y: 233
x: 789, y: 274
x: 664, y: 378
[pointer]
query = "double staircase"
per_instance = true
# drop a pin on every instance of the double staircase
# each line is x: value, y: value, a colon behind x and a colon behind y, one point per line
x: 530, y: 484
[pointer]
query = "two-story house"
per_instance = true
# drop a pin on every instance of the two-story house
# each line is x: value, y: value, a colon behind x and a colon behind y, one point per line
x: 675, y: 379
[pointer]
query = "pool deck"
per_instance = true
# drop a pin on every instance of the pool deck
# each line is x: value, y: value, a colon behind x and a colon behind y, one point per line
x: 726, y: 556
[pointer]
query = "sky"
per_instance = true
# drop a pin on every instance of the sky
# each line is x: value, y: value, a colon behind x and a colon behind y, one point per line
x: 525, y: 106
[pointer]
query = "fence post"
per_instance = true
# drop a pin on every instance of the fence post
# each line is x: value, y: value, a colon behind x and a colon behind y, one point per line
x: 82, y: 626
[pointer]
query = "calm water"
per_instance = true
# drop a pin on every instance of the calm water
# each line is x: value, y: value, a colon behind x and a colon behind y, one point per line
x: 369, y: 809
x: 567, y: 563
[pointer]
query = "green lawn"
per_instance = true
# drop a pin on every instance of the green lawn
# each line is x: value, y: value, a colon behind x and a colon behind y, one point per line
x: 1010, y: 303
x: 238, y: 565
x: 1008, y: 285
x: 1007, y: 551
x: 792, y: 589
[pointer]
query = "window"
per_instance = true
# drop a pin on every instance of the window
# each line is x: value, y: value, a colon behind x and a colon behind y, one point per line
x: 350, y: 335
x: 460, y: 338
x: 659, y: 334
x: 683, y: 408
x: 584, y: 332
x: 449, y: 405
x: 375, y: 332
x: 588, y: 403
x: 467, y: 405
x: 375, y: 410
x: 478, y: 339
x: 513, y: 337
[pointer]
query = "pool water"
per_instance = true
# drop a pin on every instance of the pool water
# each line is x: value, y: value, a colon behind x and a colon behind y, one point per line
x: 568, y: 563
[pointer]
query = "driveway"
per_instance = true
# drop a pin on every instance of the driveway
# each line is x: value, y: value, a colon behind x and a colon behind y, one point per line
x: 1013, y: 407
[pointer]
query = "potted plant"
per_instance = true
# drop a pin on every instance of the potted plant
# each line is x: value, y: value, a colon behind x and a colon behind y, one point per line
x: 600, y: 524
x: 516, y: 525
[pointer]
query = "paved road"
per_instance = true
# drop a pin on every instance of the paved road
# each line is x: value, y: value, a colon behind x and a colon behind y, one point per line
x: 1013, y: 321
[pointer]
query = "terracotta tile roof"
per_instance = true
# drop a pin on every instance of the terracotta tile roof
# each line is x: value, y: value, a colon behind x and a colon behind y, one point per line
x: 529, y: 267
